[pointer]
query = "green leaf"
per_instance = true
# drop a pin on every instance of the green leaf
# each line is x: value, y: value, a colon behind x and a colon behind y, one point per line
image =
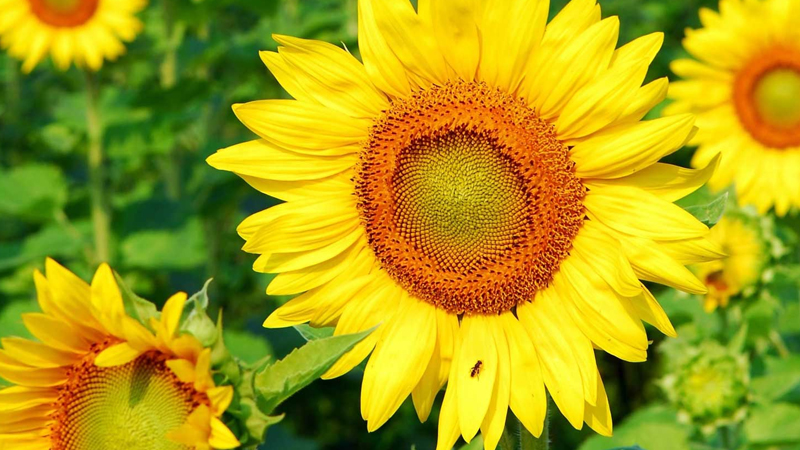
x: 773, y: 424
x: 781, y: 376
x: 181, y: 249
x: 709, y: 213
x: 653, y: 428
x: 32, y: 191
x: 281, y: 380
x: 310, y: 333
x: 475, y: 444
x: 53, y: 240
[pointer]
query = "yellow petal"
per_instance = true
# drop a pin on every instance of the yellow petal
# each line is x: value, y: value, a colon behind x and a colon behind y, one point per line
x: 668, y: 182
x: 171, y: 313
x: 598, y: 416
x: 331, y: 76
x: 651, y: 312
x: 527, y: 399
x: 221, y: 437
x: 652, y: 264
x: 495, y: 420
x: 690, y: 251
x: 317, y: 276
x: 117, y: 355
x: 438, y: 370
x: 287, y: 262
x: 457, y: 33
x: 107, y: 299
x: 626, y: 149
x: 448, y: 430
x: 382, y: 65
x: 220, y: 398
x: 399, y: 360
x: 476, y: 372
x: 601, y: 101
x: 560, y: 368
x: 37, y: 354
x: 507, y: 50
x: 639, y: 213
x: 644, y: 49
x: 604, y: 255
x: 645, y: 99
x: 55, y: 333
x: 410, y: 39
x: 183, y: 369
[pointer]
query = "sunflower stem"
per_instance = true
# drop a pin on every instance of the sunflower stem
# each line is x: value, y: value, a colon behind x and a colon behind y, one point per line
x: 517, y: 437
x: 101, y: 215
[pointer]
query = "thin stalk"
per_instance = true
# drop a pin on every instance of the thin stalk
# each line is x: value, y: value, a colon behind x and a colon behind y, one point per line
x: 101, y: 215
x: 517, y: 437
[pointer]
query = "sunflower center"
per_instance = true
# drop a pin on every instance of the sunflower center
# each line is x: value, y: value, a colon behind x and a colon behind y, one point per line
x: 64, y: 13
x: 469, y: 200
x: 118, y: 408
x: 767, y: 97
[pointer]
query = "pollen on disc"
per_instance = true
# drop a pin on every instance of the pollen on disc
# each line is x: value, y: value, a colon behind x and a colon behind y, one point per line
x: 120, y: 408
x: 468, y: 198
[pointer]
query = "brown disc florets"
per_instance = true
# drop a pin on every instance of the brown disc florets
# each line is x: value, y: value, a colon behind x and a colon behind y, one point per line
x: 64, y: 13
x: 469, y: 200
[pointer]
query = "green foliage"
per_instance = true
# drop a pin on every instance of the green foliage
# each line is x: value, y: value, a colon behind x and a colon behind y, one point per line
x: 277, y: 382
x: 653, y: 428
x: 710, y: 213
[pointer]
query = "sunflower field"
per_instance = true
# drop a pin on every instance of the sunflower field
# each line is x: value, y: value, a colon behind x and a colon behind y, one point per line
x: 400, y: 224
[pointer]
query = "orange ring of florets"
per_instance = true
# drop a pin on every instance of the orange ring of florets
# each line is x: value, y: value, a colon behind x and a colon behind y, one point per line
x: 64, y: 17
x: 469, y: 200
x: 745, y: 84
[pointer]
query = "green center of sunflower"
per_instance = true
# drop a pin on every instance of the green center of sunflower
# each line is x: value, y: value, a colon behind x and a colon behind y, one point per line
x: 64, y: 13
x: 120, y: 408
x: 457, y: 198
x: 469, y: 200
x: 777, y: 98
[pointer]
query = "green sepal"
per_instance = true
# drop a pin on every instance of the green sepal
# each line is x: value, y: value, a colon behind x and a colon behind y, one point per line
x: 709, y: 213
x: 135, y: 306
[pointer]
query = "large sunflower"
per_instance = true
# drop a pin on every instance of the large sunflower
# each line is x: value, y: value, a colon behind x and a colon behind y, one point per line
x: 82, y: 31
x: 741, y: 240
x: 482, y: 189
x: 99, y: 379
x: 745, y: 89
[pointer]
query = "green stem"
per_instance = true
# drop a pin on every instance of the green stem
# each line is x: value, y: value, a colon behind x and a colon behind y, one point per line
x: 101, y: 215
x: 517, y: 437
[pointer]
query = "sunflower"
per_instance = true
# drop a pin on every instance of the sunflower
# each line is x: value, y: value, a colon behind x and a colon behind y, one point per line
x: 740, y: 239
x: 483, y: 190
x: 97, y: 378
x: 83, y: 31
x: 745, y: 89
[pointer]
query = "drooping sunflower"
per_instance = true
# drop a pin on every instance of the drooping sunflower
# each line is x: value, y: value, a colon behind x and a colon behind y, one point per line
x: 746, y: 254
x: 97, y: 378
x: 745, y: 88
x: 81, y: 31
x: 483, y: 190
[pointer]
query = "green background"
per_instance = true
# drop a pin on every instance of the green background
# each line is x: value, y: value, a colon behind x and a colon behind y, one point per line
x: 165, y: 107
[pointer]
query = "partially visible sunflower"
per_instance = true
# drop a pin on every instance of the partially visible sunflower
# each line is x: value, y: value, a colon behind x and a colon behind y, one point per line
x: 81, y: 31
x: 483, y: 190
x: 740, y: 239
x: 745, y: 89
x: 98, y: 379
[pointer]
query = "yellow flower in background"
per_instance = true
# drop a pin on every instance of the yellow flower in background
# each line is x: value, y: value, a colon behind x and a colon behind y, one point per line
x: 97, y: 378
x: 483, y: 190
x: 745, y: 89
x: 746, y: 254
x: 81, y: 31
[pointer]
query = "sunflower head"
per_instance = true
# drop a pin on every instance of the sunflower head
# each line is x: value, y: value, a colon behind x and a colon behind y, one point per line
x: 96, y: 377
x: 709, y: 385
x: 481, y: 188
x: 741, y: 238
x: 745, y: 87
x: 85, y: 32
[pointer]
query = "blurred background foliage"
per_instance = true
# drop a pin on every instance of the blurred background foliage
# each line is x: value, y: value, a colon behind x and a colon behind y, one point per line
x: 165, y: 107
